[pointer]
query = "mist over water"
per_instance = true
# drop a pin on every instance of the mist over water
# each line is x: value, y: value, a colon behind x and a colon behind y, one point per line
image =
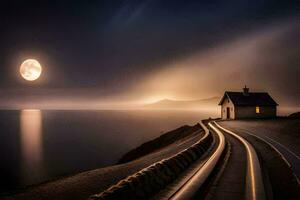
x: 38, y: 145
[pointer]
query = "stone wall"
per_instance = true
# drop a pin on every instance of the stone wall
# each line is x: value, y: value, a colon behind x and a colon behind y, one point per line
x: 147, y: 182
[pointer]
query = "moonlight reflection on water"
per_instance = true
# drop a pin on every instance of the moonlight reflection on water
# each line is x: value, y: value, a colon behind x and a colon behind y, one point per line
x: 31, y: 144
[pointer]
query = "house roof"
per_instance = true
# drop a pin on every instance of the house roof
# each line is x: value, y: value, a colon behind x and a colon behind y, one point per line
x: 251, y: 99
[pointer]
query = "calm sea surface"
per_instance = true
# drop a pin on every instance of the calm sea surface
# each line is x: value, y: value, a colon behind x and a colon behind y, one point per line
x: 38, y: 145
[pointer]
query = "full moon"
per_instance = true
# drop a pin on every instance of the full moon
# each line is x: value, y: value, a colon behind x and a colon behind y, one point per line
x: 30, y: 69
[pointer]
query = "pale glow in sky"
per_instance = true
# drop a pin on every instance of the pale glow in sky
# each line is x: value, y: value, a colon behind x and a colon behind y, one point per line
x: 256, y: 59
x: 206, y: 74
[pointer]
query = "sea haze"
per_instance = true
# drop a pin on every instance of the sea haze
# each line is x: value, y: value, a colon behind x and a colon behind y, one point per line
x: 38, y: 145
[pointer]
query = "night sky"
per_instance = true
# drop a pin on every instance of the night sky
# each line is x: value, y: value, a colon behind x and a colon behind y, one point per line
x: 142, y: 50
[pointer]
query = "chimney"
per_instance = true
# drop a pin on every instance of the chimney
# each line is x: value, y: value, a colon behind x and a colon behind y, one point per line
x: 246, y: 91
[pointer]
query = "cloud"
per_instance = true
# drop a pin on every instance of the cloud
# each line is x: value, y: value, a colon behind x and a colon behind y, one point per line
x: 265, y: 60
x: 130, y: 11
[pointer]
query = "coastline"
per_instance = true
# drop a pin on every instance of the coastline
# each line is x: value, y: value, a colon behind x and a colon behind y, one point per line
x: 86, y: 183
x: 94, y: 181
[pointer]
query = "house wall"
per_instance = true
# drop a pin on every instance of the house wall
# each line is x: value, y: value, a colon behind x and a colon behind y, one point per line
x: 249, y: 112
x: 227, y: 103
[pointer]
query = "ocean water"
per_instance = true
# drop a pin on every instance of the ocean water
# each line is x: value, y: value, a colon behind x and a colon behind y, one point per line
x: 38, y: 145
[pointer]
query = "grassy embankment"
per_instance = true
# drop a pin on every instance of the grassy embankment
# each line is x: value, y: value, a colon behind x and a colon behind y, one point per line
x: 159, y: 142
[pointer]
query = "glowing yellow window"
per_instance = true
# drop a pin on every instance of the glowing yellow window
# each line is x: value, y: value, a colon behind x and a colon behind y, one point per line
x: 257, y: 109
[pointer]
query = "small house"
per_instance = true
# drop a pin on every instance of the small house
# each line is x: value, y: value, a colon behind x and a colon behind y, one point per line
x: 245, y: 104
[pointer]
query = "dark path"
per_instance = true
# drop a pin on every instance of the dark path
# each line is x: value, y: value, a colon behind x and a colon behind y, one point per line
x: 231, y: 184
x: 284, y: 134
x: 280, y: 181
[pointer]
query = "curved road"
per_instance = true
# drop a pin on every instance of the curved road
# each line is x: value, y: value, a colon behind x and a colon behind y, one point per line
x: 283, y: 134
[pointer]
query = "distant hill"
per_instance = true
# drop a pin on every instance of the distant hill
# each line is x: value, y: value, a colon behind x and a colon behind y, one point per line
x: 189, y: 104
x: 295, y: 115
